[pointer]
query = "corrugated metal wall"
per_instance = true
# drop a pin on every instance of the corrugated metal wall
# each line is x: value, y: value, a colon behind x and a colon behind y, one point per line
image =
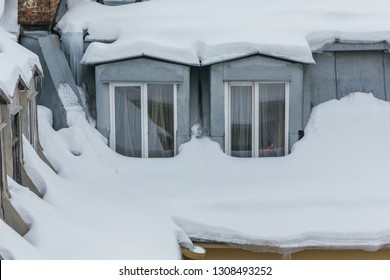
x: 336, y: 74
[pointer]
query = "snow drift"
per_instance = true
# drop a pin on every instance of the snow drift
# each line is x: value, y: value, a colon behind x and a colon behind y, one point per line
x: 332, y: 191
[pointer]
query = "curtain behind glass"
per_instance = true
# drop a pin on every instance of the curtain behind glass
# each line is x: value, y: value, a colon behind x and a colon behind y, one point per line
x: 160, y: 120
x: 271, y: 120
x: 128, y: 121
x: 241, y: 121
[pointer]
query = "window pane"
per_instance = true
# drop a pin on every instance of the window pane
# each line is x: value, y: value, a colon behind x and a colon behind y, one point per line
x: 128, y: 121
x: 160, y: 120
x: 32, y: 111
x: 271, y: 120
x: 241, y: 121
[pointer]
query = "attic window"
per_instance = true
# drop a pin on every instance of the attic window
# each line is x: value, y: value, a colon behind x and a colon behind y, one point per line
x: 16, y: 147
x: 143, y: 119
x: 256, y: 119
x: 32, y: 119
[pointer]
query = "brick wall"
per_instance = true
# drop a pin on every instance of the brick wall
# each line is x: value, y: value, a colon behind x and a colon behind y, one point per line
x: 37, y: 12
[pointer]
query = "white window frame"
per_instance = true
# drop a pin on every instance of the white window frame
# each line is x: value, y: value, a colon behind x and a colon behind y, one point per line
x: 144, y: 115
x: 255, y: 113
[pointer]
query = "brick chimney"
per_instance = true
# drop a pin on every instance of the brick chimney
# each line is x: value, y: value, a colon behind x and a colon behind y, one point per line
x: 37, y: 12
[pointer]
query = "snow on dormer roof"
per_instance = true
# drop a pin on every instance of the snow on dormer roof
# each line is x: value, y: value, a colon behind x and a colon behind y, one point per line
x: 201, y: 32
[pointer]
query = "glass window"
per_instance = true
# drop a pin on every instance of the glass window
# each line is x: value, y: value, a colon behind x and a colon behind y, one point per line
x: 16, y: 147
x: 160, y: 121
x: 128, y: 121
x: 144, y: 120
x: 32, y: 107
x: 271, y: 120
x: 241, y: 121
x: 256, y: 119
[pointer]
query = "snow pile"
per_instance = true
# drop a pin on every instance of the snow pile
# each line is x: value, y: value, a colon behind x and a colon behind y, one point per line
x: 16, y: 62
x: 204, y: 32
x: 79, y: 220
x: 13, y: 246
x: 68, y: 98
x: 331, y: 191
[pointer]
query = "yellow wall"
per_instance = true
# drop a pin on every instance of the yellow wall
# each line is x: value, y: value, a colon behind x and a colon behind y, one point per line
x: 225, y: 252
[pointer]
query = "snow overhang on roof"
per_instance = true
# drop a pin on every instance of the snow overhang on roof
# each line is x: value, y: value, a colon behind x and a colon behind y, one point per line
x: 201, y: 32
x: 18, y: 65
x: 338, y: 41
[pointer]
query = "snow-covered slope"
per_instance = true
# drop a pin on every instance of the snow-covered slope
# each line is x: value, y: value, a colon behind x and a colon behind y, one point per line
x: 209, y: 31
x: 331, y: 191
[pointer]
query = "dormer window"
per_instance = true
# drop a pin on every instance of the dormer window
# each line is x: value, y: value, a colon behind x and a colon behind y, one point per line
x: 143, y: 119
x: 256, y: 119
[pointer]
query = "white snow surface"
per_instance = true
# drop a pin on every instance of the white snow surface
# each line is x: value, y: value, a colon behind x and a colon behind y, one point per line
x: 16, y: 62
x: 209, y: 31
x: 331, y: 191
x: 84, y: 218
x: 9, y: 16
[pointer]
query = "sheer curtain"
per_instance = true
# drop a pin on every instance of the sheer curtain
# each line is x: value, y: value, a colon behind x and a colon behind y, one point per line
x: 241, y: 121
x: 271, y: 119
x: 128, y: 121
x: 160, y: 120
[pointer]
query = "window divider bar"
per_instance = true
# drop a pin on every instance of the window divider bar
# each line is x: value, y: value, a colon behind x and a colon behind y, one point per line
x: 227, y: 118
x: 112, y: 117
x: 255, y: 121
x: 174, y: 119
x: 286, y: 117
x: 144, y: 118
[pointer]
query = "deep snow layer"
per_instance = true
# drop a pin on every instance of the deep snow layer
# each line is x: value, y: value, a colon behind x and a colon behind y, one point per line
x: 16, y: 62
x: 208, y: 31
x: 331, y: 191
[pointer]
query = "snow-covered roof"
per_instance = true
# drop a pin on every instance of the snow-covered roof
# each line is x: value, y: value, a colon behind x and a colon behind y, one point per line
x: 332, y: 191
x: 204, y: 32
x: 16, y: 63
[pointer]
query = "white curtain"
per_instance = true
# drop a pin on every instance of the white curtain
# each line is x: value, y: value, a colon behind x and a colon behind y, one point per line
x: 241, y: 121
x: 128, y: 121
x: 271, y: 120
x: 160, y: 120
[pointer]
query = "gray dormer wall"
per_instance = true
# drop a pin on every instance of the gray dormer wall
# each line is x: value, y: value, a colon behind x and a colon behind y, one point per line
x: 344, y: 68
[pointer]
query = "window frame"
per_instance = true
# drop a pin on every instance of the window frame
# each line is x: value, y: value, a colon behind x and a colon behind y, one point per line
x: 144, y: 115
x: 255, y: 113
